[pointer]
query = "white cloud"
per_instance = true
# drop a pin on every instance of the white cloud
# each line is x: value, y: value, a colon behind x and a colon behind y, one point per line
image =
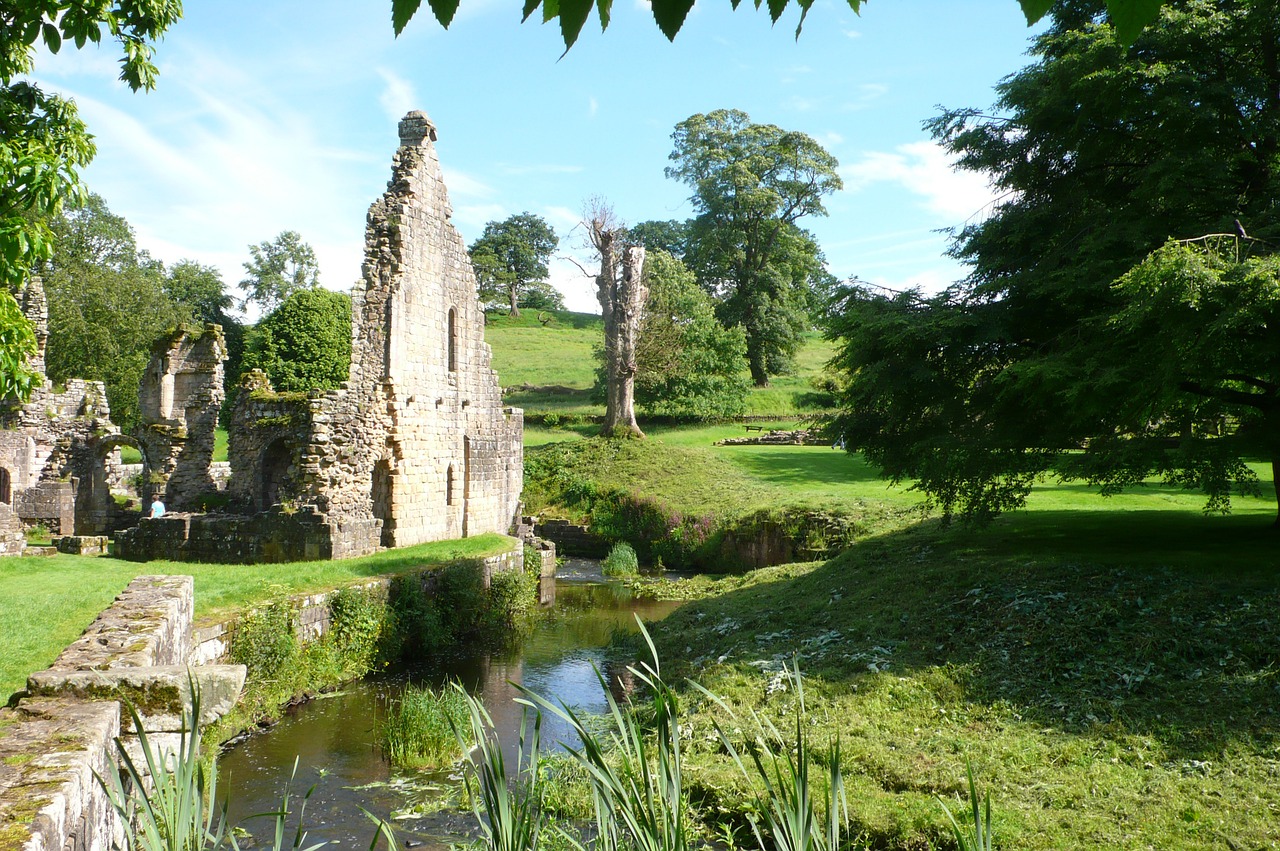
x: 562, y: 219
x: 830, y: 139
x: 593, y: 106
x: 398, y: 97
x: 851, y: 33
x: 464, y: 185
x: 578, y: 289
x: 470, y: 219
x: 926, y: 170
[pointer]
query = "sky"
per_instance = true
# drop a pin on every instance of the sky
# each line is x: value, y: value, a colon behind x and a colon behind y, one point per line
x: 281, y: 115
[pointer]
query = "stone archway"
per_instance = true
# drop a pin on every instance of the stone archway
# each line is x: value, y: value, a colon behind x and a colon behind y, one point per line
x: 277, y: 458
x: 96, y: 509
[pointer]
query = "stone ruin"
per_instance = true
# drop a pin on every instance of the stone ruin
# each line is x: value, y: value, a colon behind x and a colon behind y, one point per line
x: 415, y: 447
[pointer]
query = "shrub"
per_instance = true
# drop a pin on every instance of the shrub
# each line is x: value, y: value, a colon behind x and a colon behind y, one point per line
x: 264, y: 641
x: 357, y: 620
x: 621, y: 561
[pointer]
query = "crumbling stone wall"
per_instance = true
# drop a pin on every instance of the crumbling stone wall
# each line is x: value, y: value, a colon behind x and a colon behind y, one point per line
x: 418, y: 438
x: 179, y: 398
x: 58, y: 449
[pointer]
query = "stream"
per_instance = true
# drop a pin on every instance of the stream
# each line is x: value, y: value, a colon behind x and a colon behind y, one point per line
x: 333, y: 736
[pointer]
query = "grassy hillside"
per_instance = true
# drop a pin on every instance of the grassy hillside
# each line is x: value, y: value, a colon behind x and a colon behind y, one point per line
x: 1114, y: 678
x: 546, y: 362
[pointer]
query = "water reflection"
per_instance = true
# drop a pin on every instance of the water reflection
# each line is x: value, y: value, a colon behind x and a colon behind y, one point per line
x: 333, y: 737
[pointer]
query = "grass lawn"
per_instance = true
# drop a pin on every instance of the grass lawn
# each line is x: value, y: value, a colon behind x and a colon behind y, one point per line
x: 45, y: 603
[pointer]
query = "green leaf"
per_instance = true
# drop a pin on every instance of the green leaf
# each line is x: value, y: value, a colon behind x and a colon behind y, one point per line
x: 776, y: 8
x: 52, y: 38
x: 670, y: 15
x: 604, y: 7
x: 805, y: 5
x: 445, y: 10
x: 573, y: 14
x: 1130, y: 17
x: 401, y: 12
x: 550, y: 10
x: 1035, y: 9
x: 530, y: 6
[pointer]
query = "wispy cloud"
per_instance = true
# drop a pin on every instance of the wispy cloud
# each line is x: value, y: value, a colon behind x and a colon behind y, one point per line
x: 925, y: 170
x: 865, y: 95
x: 521, y: 170
x: 593, y: 106
x: 397, y: 96
x: 463, y: 185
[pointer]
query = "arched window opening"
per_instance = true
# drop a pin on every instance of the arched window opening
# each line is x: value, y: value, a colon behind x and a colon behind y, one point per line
x: 6, y: 487
x: 276, y: 460
x: 448, y: 486
x: 453, y: 340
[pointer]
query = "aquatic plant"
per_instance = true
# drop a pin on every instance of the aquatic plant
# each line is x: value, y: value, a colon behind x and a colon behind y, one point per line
x: 621, y: 561
x: 979, y: 836
x: 419, y: 729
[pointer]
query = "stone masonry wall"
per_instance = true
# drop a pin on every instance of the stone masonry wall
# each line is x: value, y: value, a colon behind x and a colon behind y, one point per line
x: 179, y: 397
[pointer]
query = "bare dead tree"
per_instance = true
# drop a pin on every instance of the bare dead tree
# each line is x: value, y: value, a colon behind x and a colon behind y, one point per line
x: 622, y: 293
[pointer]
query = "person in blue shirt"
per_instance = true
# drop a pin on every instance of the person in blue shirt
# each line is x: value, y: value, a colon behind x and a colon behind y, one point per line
x: 157, y: 508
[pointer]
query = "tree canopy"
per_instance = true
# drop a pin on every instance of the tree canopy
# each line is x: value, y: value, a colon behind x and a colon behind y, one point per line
x: 751, y: 183
x: 510, y: 261
x: 1038, y: 362
x: 1130, y: 15
x: 43, y: 142
x: 305, y: 343
x: 277, y: 269
x: 688, y: 366
x: 107, y: 305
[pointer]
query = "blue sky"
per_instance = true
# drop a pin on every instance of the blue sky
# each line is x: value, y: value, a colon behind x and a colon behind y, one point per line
x: 282, y: 115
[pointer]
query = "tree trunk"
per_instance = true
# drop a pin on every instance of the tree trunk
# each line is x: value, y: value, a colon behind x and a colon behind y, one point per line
x: 756, y: 363
x: 622, y: 296
x: 511, y: 297
x: 1275, y: 479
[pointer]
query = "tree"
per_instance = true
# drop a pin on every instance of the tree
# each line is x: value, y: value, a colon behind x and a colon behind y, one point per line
x: 670, y: 236
x: 621, y: 291
x: 305, y: 343
x: 1020, y: 371
x: 43, y: 142
x: 200, y: 289
x: 107, y: 305
x: 688, y: 365
x: 1131, y: 15
x: 751, y: 183
x: 278, y: 269
x: 510, y: 259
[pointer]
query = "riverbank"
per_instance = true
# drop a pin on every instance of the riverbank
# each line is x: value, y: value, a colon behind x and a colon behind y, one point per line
x: 1113, y: 677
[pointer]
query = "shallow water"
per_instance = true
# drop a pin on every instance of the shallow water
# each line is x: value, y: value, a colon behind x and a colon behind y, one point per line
x: 333, y: 737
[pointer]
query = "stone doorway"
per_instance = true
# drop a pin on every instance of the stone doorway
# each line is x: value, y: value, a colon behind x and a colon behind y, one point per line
x: 276, y: 460
x: 383, y: 497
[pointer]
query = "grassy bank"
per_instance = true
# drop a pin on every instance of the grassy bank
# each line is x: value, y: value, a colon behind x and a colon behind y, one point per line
x: 1114, y: 678
x: 45, y: 603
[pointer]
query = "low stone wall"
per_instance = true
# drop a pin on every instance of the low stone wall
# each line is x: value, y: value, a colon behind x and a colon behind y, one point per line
x: 63, y: 728
x: 275, y: 536
x: 573, y: 540
x: 50, y: 503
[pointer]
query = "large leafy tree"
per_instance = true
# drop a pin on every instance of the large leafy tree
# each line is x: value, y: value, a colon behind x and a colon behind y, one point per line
x: 107, y: 305
x: 1103, y: 152
x: 200, y: 289
x: 278, y: 268
x: 305, y: 343
x: 510, y: 261
x: 751, y: 183
x: 1131, y: 15
x: 688, y: 365
x: 43, y: 142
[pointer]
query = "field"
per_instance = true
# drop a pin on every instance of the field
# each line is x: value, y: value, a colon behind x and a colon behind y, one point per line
x: 550, y: 368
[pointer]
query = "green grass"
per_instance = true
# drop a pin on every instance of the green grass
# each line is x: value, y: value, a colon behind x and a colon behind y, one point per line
x: 45, y: 603
x: 1113, y: 676
x: 131, y: 455
x: 551, y: 368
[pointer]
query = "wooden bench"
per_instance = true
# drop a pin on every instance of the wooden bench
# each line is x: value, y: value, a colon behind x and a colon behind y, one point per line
x: 753, y: 428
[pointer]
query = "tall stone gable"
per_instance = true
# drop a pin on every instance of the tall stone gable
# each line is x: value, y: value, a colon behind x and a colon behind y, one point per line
x: 418, y: 439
